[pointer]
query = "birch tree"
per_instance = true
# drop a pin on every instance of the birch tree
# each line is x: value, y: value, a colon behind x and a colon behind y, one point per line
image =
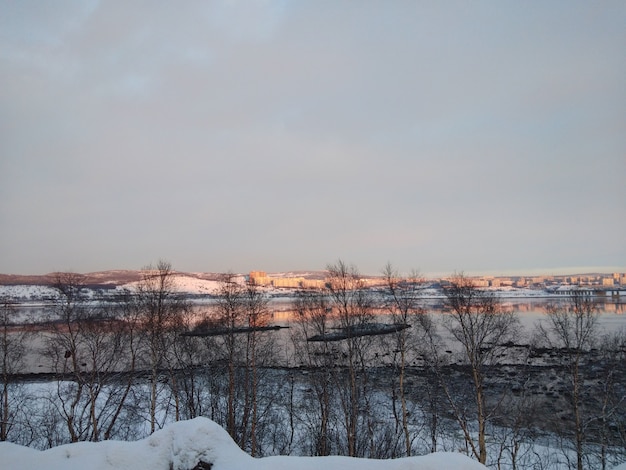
x: 572, y: 328
x: 12, y: 351
x: 314, y: 320
x: 476, y: 321
x: 88, y: 349
x: 352, y: 305
x: 402, y: 301
x: 160, y: 309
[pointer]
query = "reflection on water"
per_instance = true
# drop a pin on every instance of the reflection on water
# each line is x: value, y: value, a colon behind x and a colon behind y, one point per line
x: 541, y: 306
x: 284, y: 311
x: 531, y: 311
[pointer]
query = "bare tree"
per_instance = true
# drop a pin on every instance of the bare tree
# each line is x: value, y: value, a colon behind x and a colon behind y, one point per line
x: 230, y: 316
x: 66, y: 348
x: 91, y: 348
x: 572, y: 328
x: 257, y: 352
x: 123, y: 349
x: 159, y: 310
x: 314, y: 318
x: 352, y: 304
x: 188, y: 356
x: 430, y: 352
x: 12, y: 359
x: 481, y: 327
x: 242, y: 336
x: 609, y: 424
x: 328, y: 340
x: 402, y: 301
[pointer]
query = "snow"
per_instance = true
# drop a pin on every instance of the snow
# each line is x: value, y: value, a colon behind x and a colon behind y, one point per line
x: 185, y: 284
x: 26, y: 293
x: 182, y: 445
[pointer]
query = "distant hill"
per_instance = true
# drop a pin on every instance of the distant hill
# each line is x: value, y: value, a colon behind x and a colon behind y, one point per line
x: 109, y: 278
x: 122, y: 277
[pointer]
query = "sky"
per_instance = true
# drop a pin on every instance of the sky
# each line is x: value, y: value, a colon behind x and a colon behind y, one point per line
x: 483, y: 137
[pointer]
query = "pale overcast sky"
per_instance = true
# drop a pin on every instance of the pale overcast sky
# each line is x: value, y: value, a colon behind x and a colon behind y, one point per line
x: 442, y: 136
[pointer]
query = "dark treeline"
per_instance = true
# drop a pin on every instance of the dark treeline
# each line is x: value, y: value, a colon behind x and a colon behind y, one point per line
x: 345, y: 384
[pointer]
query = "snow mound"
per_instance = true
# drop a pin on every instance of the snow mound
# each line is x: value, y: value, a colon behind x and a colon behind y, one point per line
x: 183, y: 445
x: 192, y: 285
x: 185, y: 284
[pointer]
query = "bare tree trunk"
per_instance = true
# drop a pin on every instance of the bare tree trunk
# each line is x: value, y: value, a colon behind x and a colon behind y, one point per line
x: 12, y: 351
x: 254, y: 392
x: 477, y: 322
x: 154, y: 378
x: 4, y: 425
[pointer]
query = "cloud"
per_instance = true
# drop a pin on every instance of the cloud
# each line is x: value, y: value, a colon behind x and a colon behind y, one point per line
x: 237, y: 133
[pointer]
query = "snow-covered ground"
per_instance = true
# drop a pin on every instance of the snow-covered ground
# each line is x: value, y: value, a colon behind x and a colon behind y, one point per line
x: 185, y: 444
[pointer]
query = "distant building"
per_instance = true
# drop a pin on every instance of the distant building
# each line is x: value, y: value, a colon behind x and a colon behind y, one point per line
x: 259, y: 278
x: 290, y: 282
x: 608, y: 282
x: 521, y: 282
x: 374, y: 281
x: 313, y: 284
x: 480, y: 282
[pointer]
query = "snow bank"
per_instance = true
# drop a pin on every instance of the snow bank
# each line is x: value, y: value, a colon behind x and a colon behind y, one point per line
x: 182, y: 445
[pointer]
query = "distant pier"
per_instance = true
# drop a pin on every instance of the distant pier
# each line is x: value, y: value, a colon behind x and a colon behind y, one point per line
x: 613, y: 292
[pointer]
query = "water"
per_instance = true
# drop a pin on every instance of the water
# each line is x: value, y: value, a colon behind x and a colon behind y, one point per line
x: 612, y: 318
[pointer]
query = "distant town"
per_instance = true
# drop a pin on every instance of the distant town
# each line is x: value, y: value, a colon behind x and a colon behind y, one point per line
x: 598, y: 283
x: 206, y: 283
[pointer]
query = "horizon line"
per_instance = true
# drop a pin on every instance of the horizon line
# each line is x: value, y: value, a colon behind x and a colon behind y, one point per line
x: 562, y: 271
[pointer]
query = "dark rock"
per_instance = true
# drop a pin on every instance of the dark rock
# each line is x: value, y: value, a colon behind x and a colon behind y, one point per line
x: 203, y: 466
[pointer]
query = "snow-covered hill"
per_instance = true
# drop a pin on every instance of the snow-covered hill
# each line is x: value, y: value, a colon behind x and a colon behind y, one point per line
x: 201, y: 444
x: 191, y: 284
x: 188, y: 284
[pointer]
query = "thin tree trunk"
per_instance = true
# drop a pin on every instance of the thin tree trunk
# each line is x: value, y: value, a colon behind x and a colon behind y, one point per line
x: 405, y: 419
x: 4, y: 425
